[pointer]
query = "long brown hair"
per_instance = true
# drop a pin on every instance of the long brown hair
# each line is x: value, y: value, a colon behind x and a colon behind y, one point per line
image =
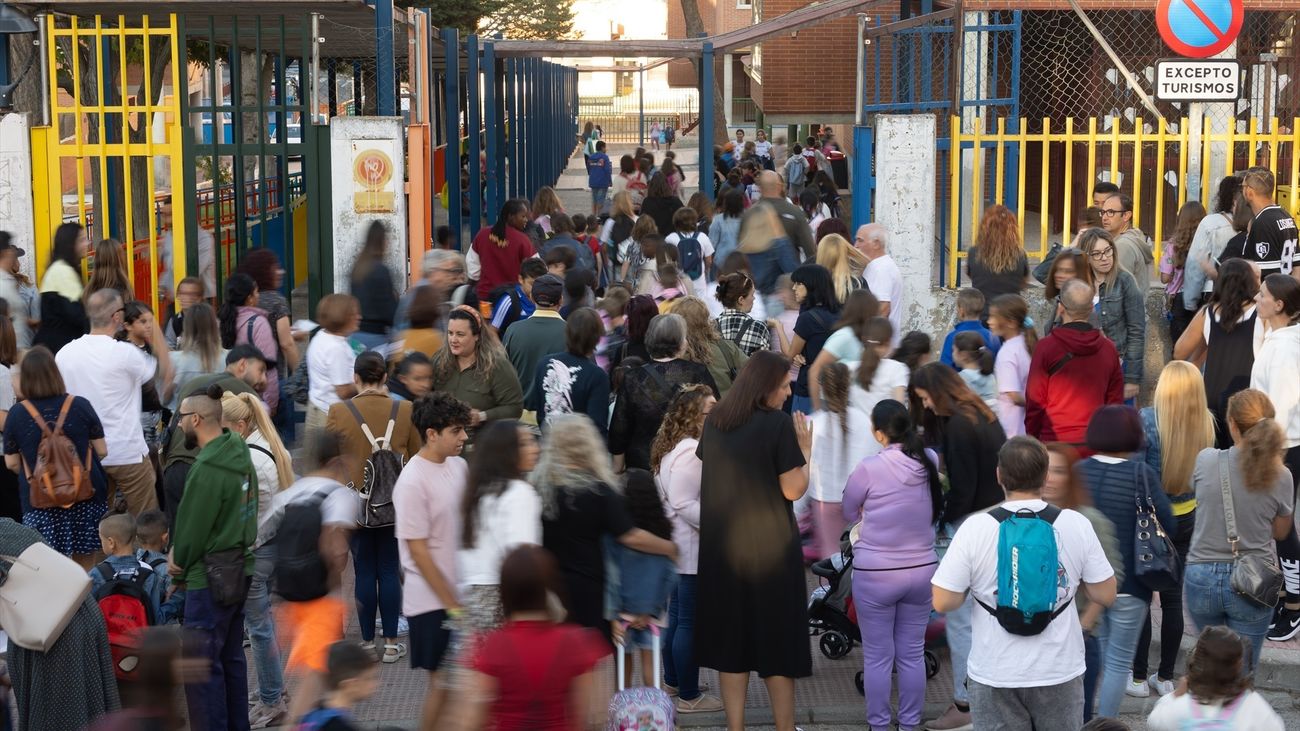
x: 1082, y: 270
x: 700, y: 333
x: 859, y: 309
x: 109, y: 271
x: 999, y: 239
x: 765, y: 372
x: 1189, y: 217
x: 1014, y: 309
x: 949, y: 394
x: 1076, y: 492
x: 681, y: 421
x: 878, y: 330
x: 1262, y: 439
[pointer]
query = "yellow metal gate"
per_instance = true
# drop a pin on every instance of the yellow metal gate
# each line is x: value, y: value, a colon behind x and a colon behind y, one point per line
x: 101, y: 127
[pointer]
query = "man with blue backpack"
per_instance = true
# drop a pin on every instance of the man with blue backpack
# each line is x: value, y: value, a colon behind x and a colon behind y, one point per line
x: 1023, y: 562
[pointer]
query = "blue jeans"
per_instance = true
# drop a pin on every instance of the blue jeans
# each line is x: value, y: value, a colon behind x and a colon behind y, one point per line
x: 261, y: 628
x: 680, y: 668
x: 369, y: 341
x: 216, y: 635
x: 379, y: 585
x: 768, y: 266
x: 1092, y: 667
x: 1118, y: 634
x: 958, y: 632
x: 1210, y: 601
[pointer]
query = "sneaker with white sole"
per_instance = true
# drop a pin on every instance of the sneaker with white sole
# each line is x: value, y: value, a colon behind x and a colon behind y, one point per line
x: 394, y: 652
x: 704, y: 704
x: 403, y: 627
x: 1137, y: 689
x: 1286, y: 626
x: 1162, y: 687
x: 262, y: 715
x: 953, y: 719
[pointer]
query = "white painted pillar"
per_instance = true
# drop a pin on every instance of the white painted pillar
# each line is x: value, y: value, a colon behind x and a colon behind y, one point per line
x: 16, y: 214
x: 363, y: 193
x: 974, y: 86
x: 728, y: 87
x: 905, y: 204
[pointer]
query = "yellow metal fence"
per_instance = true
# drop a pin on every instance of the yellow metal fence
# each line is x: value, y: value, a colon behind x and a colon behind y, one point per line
x: 1053, y: 172
x: 109, y: 110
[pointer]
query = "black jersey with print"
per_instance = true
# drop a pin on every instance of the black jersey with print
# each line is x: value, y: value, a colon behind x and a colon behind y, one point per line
x: 1271, y: 241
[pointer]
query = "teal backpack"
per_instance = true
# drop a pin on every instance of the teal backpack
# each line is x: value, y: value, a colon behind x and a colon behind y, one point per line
x: 1027, y: 566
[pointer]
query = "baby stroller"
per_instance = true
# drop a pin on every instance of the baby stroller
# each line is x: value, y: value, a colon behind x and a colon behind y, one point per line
x: 833, y: 616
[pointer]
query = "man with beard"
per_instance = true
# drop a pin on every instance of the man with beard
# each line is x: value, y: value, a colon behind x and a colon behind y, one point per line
x: 245, y: 373
x: 216, y: 526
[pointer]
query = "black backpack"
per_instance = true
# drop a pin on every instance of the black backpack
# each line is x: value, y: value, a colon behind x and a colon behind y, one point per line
x: 383, y: 467
x: 300, y: 573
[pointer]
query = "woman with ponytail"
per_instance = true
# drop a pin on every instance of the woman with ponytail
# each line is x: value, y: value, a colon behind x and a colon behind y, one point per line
x: 876, y: 376
x: 1263, y: 496
x: 1009, y: 320
x: 1274, y: 373
x: 841, y: 439
x: 899, y: 499
x: 243, y: 414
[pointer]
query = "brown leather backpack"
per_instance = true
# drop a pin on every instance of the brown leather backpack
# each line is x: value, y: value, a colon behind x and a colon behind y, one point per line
x: 59, y: 479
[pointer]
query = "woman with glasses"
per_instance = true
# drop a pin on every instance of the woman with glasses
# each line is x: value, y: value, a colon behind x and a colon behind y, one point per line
x: 1120, y: 303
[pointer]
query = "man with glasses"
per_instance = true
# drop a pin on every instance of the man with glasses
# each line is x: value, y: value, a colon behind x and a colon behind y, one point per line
x: 445, y: 270
x: 1131, y: 245
x: 1271, y: 239
x: 109, y: 373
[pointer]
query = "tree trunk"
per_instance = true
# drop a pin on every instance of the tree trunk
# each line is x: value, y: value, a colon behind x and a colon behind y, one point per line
x: 27, y: 95
x: 86, y: 95
x: 695, y: 29
x: 141, y: 194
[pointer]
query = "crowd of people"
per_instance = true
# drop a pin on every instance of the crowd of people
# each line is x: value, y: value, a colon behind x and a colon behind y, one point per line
x: 593, y: 434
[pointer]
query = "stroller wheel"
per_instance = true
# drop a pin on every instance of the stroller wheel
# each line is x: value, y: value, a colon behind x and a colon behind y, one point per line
x: 857, y: 680
x: 931, y: 664
x: 835, y: 644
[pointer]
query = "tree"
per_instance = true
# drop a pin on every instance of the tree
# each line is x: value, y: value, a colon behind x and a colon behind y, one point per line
x: 518, y: 19
x: 695, y: 29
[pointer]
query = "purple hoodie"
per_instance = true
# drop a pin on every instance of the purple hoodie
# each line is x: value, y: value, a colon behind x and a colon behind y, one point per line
x: 889, y: 491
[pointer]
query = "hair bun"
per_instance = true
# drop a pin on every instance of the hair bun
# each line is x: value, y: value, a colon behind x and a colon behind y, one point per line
x: 214, y: 391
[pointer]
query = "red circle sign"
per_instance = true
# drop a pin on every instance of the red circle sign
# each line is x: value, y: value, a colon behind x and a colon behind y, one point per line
x: 1199, y: 28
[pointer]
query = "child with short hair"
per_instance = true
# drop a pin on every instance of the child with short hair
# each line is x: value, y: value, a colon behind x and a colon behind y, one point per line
x: 117, y: 539
x: 442, y: 237
x: 976, y: 361
x: 1216, y: 692
x: 514, y: 302
x: 559, y: 260
x: 351, y: 676
x: 599, y: 177
x: 970, y: 308
x: 796, y: 171
x: 151, y: 538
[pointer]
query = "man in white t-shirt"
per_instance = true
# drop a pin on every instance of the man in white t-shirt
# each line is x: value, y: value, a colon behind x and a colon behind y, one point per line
x: 883, y: 277
x: 109, y: 374
x: 427, y: 500
x: 1019, y: 681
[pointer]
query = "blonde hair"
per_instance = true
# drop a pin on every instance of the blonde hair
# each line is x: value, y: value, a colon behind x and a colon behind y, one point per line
x: 700, y: 333
x: 247, y: 407
x: 835, y: 253
x: 1184, y: 422
x: 622, y: 205
x: 574, y: 458
x: 1262, y: 439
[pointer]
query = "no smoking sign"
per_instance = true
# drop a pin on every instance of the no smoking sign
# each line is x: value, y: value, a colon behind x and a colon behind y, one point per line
x: 1199, y: 28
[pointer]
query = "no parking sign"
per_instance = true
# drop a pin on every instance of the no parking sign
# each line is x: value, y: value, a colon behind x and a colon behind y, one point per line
x: 1199, y: 28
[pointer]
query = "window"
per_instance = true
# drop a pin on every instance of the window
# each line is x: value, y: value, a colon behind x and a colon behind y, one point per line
x: 744, y: 4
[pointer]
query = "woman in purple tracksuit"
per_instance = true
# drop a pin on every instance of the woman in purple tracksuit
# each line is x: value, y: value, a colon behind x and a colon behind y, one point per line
x: 897, y: 496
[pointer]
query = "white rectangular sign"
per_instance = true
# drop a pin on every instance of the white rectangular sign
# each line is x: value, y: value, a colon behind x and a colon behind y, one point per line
x: 1198, y: 80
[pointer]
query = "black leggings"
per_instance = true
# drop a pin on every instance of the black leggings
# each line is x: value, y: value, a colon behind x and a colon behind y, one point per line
x: 1171, y: 614
x: 1288, y: 549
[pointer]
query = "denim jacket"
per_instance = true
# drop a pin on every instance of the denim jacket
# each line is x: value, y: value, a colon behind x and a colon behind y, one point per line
x: 1154, y: 456
x: 1124, y: 320
x: 636, y: 583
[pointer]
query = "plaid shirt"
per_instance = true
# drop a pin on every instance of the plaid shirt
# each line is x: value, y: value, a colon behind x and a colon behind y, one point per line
x: 748, y: 334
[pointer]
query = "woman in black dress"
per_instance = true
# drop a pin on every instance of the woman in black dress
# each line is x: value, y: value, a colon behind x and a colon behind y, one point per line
x: 580, y: 507
x: 751, y: 614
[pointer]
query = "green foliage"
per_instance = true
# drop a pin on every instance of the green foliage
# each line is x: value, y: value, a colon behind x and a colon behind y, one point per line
x: 518, y: 19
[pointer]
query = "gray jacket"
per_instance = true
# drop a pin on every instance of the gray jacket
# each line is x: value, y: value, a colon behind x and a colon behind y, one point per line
x: 1124, y: 321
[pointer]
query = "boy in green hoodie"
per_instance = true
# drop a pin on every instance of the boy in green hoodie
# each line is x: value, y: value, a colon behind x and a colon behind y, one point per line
x: 216, y: 524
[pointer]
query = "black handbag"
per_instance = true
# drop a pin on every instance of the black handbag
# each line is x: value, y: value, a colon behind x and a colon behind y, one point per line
x: 1155, y: 560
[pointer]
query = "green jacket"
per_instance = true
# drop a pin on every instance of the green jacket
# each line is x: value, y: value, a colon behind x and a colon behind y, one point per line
x: 174, y: 450
x: 219, y: 510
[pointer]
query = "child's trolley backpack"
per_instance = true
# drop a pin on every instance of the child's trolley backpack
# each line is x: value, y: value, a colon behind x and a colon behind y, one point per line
x: 641, y: 709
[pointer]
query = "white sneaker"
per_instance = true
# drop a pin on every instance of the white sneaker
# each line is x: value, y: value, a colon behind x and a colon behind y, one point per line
x: 1137, y: 689
x: 1161, y: 687
x: 262, y: 715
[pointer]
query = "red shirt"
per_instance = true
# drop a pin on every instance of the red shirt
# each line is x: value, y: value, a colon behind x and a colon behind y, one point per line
x: 534, y: 664
x: 500, y: 263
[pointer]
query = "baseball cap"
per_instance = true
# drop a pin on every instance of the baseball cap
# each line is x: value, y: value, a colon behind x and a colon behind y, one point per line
x: 547, y: 290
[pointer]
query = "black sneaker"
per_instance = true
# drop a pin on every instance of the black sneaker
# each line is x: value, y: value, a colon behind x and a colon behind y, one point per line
x: 1286, y: 626
x: 1277, y: 612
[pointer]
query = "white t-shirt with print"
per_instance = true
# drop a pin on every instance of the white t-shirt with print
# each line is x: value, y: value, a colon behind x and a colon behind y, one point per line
x: 109, y: 373
x: 998, y: 658
x: 706, y: 247
x: 330, y: 359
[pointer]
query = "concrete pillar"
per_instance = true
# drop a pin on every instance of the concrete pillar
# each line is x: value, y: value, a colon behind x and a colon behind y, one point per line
x: 16, y: 190
x: 728, y: 90
x: 358, y: 200
x: 905, y: 158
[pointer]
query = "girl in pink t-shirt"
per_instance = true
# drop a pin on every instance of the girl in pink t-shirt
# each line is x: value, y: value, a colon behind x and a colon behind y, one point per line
x: 1009, y: 320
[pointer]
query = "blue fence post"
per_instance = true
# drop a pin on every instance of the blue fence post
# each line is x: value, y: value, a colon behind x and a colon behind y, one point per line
x: 492, y: 127
x: 385, y: 75
x: 512, y: 128
x: 706, y: 120
x: 864, y: 183
x: 451, y: 160
x: 473, y: 124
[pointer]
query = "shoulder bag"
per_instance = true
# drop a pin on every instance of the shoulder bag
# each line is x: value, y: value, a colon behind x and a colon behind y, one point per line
x: 1255, y: 576
x: 1155, y: 560
x: 40, y: 592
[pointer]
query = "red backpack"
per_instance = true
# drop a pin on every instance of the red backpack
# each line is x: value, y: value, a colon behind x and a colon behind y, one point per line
x: 127, y: 614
